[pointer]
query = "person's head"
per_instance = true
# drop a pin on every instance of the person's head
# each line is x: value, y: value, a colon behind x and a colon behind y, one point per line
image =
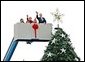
x: 21, y: 20
x: 30, y: 18
x: 40, y: 14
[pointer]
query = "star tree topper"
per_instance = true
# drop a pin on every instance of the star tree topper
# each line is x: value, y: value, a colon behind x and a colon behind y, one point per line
x: 57, y: 16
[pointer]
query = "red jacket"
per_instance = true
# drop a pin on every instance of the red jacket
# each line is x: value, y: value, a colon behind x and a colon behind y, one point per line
x: 29, y: 21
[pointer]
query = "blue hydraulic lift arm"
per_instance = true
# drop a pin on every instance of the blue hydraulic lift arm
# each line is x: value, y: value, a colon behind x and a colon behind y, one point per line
x: 10, y: 50
x: 13, y: 46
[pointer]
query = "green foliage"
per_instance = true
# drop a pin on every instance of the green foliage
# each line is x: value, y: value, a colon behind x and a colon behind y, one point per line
x: 60, y: 48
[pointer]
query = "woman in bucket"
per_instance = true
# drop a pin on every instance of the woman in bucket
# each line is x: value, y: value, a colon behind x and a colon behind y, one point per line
x: 29, y: 20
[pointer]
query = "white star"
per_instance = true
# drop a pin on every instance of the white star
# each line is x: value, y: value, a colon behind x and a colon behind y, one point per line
x: 63, y: 50
x: 53, y: 41
x: 76, y: 59
x: 49, y: 54
x: 54, y: 31
x: 63, y: 35
x: 69, y: 42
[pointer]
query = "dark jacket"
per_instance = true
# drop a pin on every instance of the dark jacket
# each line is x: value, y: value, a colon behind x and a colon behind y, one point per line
x: 41, y: 20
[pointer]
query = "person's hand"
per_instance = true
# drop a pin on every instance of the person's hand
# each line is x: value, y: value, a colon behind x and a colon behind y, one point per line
x: 27, y: 16
x: 36, y: 12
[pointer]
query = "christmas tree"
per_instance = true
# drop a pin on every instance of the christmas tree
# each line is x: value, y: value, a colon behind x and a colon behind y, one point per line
x: 60, y: 46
